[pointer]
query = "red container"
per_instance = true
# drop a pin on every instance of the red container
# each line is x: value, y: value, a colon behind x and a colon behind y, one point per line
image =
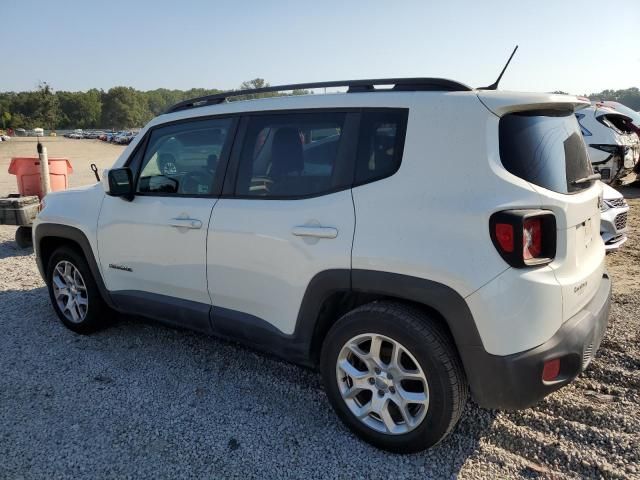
x: 27, y: 171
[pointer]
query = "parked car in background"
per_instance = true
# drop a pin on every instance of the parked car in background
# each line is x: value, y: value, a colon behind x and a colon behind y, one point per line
x: 614, y: 149
x: 111, y: 136
x: 124, y: 138
x: 613, y: 218
x: 38, y: 132
x: 76, y: 134
x: 92, y: 135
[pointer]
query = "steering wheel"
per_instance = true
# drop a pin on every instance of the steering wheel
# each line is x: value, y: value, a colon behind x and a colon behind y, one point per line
x: 192, y: 180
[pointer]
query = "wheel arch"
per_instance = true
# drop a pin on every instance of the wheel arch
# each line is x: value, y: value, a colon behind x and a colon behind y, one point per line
x: 442, y: 303
x: 48, y: 237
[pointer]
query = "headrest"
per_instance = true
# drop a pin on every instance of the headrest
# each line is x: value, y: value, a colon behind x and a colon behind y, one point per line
x: 286, y: 152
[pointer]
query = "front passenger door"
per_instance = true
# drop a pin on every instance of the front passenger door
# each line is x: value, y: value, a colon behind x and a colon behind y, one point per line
x: 153, y: 249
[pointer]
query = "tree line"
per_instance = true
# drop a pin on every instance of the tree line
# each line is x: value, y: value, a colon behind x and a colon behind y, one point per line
x: 629, y: 97
x: 116, y: 108
x: 126, y: 107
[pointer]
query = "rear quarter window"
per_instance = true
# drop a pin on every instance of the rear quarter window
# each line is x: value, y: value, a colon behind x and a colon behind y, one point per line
x: 381, y: 144
x: 545, y: 148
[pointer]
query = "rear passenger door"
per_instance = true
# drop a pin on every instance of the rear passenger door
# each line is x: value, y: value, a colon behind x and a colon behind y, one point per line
x: 286, y: 214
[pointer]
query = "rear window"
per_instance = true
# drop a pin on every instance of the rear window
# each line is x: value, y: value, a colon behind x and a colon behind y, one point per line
x: 616, y: 122
x: 545, y: 148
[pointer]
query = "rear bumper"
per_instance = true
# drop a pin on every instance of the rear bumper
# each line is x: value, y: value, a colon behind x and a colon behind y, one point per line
x: 515, y: 381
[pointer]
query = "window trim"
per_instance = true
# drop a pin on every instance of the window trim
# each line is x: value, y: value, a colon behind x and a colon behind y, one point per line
x: 228, y: 164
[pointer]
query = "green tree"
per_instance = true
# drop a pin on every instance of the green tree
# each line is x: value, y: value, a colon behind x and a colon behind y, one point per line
x: 629, y: 97
x: 39, y: 108
x: 124, y: 107
x: 262, y: 83
x: 6, y: 119
x: 80, y: 109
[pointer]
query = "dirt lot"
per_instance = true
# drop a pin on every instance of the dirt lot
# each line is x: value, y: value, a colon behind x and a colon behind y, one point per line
x: 81, y: 153
x: 144, y: 400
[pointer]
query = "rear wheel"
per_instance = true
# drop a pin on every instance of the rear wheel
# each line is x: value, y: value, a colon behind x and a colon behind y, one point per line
x: 73, y: 291
x: 393, y: 376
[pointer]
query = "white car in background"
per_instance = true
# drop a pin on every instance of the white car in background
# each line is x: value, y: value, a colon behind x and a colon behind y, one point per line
x: 614, y: 148
x: 613, y: 218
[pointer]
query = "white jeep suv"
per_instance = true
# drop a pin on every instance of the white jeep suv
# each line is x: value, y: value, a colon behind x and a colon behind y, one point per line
x: 356, y: 233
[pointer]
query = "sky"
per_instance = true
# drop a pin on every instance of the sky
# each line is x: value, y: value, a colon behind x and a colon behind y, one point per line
x: 575, y: 46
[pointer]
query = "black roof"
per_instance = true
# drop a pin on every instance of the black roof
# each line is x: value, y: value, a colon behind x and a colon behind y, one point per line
x: 399, y: 84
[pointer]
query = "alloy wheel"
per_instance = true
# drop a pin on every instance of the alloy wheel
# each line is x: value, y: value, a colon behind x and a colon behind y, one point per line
x: 382, y: 384
x: 70, y: 291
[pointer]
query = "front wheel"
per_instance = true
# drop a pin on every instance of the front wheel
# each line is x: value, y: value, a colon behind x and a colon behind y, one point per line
x: 393, y: 376
x: 73, y: 291
x: 23, y: 237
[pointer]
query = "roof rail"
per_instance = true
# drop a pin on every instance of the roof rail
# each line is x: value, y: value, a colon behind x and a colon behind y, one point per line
x: 399, y: 84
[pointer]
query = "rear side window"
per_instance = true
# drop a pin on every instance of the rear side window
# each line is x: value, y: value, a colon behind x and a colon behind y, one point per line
x: 381, y: 143
x: 545, y: 148
x: 290, y: 155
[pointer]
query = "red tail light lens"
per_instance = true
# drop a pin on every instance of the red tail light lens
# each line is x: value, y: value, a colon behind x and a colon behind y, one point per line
x: 532, y: 238
x: 534, y: 230
x: 504, y: 236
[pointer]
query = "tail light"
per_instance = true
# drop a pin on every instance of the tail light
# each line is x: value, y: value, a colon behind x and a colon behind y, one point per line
x: 524, y: 238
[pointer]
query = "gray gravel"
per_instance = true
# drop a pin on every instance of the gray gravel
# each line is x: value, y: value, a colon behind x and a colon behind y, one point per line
x: 142, y: 400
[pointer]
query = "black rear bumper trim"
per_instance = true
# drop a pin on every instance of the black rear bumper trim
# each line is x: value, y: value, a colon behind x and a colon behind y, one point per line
x: 515, y: 381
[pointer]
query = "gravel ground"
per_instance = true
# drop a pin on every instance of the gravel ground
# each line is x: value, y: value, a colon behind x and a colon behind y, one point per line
x: 142, y: 400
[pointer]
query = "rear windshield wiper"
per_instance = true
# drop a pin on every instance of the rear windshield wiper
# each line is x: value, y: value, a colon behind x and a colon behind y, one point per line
x: 593, y: 176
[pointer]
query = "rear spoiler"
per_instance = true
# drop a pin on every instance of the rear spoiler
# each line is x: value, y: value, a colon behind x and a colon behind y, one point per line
x: 500, y: 103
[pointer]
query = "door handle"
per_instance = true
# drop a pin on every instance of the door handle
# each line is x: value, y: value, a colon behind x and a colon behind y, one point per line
x: 185, y: 223
x: 316, y: 232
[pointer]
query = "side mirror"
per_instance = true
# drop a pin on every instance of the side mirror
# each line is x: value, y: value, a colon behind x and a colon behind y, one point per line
x: 121, y: 183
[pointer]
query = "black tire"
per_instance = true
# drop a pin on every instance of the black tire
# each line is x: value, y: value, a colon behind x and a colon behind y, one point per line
x: 23, y: 237
x: 433, y: 349
x: 98, y: 313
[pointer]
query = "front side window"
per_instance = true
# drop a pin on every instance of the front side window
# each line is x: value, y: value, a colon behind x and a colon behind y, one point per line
x: 290, y: 155
x: 183, y: 159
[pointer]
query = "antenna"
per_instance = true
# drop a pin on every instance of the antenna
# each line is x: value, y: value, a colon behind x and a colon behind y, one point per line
x: 494, y: 85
